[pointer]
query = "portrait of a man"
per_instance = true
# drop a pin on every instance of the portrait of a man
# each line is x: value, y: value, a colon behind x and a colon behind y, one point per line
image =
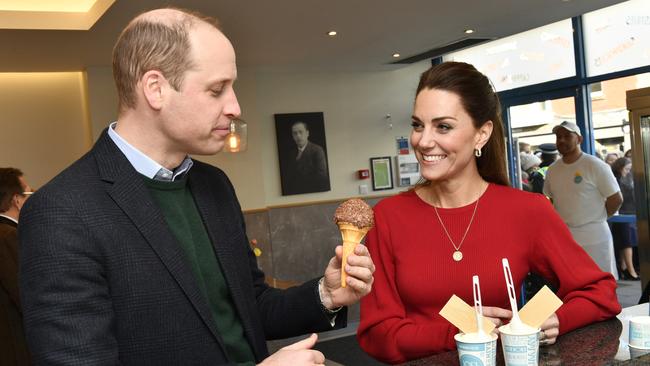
x: 302, y: 152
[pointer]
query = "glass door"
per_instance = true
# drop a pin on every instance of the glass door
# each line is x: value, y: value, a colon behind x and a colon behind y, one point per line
x: 530, y: 130
x: 638, y: 103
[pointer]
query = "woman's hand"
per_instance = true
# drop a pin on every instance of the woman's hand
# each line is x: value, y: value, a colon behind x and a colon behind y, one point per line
x: 498, y: 316
x: 550, y: 330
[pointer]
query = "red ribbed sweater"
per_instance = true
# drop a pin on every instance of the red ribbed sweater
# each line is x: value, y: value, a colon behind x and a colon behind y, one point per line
x: 416, y: 274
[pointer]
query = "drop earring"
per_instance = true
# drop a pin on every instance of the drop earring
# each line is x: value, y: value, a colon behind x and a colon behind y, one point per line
x: 478, y: 152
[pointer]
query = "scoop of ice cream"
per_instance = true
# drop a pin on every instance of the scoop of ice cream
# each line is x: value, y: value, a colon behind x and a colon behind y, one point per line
x: 478, y: 337
x: 355, y: 212
x: 518, y: 328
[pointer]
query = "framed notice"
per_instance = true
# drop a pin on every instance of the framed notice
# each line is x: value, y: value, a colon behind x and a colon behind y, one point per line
x: 382, y: 173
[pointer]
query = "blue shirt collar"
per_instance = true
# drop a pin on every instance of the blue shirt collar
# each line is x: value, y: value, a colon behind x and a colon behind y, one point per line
x: 144, y: 164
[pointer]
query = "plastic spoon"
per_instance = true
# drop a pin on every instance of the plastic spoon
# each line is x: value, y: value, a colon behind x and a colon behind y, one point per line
x: 515, y: 322
x: 476, y: 287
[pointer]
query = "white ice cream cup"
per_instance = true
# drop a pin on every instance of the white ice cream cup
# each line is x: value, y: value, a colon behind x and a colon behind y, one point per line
x: 476, y: 352
x: 520, y: 348
x: 639, y: 331
x: 638, y: 352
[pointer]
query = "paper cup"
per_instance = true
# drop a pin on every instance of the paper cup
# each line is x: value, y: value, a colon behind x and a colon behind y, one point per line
x: 639, y: 331
x: 519, y: 349
x: 476, y: 353
x: 638, y: 352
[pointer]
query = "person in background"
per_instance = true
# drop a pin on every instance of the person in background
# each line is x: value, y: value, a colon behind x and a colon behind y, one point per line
x: 428, y: 242
x: 624, y: 233
x: 548, y: 154
x: 628, y: 154
x: 585, y: 193
x: 14, y: 191
x: 524, y: 147
x: 529, y: 166
x: 610, y: 158
x: 137, y: 253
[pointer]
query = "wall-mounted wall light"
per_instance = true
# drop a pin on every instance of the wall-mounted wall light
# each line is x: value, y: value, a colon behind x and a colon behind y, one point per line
x: 389, y: 121
x: 237, y: 139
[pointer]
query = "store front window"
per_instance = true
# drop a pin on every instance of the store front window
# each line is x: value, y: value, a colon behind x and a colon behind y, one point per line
x: 533, y: 123
x: 617, y: 37
x: 610, y: 115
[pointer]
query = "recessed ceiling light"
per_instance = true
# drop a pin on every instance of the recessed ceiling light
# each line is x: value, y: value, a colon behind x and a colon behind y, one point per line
x: 64, y: 6
x: 396, y: 55
x: 331, y: 33
x: 51, y: 14
x: 469, y: 31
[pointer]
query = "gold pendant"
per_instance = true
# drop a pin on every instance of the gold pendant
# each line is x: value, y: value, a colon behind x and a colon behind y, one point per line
x: 457, y: 256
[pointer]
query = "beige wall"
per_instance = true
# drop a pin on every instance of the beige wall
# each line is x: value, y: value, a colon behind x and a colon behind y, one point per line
x: 355, y: 106
x: 44, y: 122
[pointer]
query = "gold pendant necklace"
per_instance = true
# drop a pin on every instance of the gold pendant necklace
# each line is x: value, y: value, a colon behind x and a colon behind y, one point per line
x: 458, y: 255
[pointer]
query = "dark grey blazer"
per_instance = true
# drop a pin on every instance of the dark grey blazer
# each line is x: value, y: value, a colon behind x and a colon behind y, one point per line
x: 104, y: 282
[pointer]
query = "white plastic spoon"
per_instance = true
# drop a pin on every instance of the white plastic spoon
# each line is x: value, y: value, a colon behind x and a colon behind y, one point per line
x: 515, y: 322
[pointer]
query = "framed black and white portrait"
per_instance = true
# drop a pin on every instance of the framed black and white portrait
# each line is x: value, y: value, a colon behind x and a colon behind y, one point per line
x: 302, y: 152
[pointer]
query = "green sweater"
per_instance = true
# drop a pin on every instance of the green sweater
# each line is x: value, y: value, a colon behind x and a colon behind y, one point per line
x: 177, y: 205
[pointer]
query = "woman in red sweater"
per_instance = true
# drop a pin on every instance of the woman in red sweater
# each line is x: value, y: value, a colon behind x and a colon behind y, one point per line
x: 428, y: 242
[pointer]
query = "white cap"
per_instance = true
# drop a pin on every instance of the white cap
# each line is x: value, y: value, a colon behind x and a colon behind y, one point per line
x: 569, y: 126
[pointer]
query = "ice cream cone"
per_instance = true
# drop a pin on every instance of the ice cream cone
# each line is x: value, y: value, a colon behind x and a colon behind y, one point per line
x: 352, y: 236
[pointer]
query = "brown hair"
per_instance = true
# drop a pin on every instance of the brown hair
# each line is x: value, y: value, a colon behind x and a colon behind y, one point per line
x: 482, y: 104
x: 9, y: 186
x: 146, y: 44
x: 618, y: 165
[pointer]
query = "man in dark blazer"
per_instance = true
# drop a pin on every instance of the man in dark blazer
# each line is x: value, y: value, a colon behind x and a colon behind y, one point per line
x: 137, y: 254
x: 307, y: 164
x: 14, y: 190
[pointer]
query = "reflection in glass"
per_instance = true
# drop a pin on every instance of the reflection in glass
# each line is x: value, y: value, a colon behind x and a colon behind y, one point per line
x: 533, y: 123
x: 610, y: 115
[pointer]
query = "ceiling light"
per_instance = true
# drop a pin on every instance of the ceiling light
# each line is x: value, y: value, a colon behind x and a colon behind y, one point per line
x: 469, y: 31
x: 396, y: 55
x: 66, y: 6
x: 331, y: 33
x: 51, y: 14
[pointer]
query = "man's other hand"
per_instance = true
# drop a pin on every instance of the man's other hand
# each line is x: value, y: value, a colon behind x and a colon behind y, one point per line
x: 297, y: 354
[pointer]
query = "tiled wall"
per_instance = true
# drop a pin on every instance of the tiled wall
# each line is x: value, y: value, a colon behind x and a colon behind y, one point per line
x: 297, y: 241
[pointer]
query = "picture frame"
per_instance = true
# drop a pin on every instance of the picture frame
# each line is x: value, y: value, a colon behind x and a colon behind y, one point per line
x: 382, y: 173
x: 302, y: 152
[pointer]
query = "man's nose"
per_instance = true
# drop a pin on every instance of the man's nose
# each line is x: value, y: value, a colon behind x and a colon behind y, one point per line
x: 231, y: 107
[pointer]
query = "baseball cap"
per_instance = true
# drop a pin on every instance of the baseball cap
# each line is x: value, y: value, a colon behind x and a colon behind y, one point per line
x: 569, y: 126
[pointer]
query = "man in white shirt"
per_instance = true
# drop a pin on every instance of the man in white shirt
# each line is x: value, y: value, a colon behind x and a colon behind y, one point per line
x: 584, y: 192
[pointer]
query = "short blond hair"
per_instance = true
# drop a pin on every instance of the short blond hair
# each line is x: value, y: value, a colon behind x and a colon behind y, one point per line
x: 150, y: 44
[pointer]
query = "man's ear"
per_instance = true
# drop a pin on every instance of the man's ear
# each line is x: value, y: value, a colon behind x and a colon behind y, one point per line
x: 153, y: 85
x: 579, y: 140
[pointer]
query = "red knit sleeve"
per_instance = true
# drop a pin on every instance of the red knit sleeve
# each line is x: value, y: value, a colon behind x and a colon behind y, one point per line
x: 385, y: 331
x: 589, y: 294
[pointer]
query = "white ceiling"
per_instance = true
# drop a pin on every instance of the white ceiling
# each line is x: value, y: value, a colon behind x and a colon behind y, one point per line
x: 291, y: 34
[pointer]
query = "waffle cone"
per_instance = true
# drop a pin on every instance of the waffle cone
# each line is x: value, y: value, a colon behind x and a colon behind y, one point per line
x: 352, y: 236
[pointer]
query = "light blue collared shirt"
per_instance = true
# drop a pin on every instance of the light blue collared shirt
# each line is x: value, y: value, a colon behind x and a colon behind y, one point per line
x: 144, y: 164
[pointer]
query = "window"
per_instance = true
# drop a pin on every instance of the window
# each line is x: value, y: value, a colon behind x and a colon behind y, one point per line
x: 610, y: 115
x: 533, y: 123
x: 617, y: 37
x: 527, y: 58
